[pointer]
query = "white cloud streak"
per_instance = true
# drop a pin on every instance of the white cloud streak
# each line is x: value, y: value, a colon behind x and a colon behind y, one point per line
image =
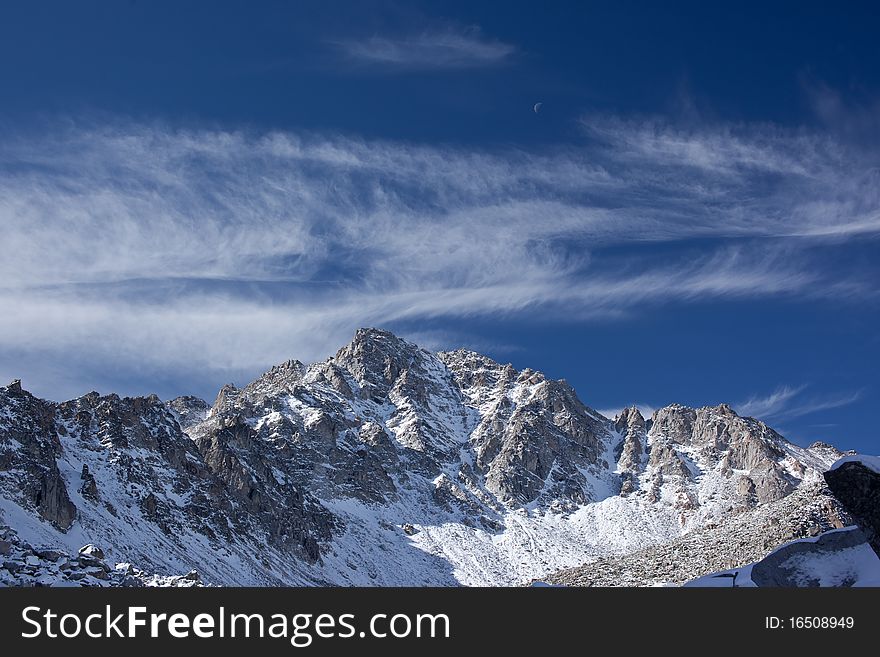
x: 772, y: 404
x: 142, y: 246
x: 788, y: 403
x: 430, y: 50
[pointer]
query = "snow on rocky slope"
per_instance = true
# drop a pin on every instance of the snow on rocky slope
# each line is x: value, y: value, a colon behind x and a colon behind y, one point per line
x: 751, y: 549
x: 386, y: 465
x: 739, y: 539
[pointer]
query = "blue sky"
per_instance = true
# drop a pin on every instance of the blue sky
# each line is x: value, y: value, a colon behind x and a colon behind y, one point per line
x: 193, y: 191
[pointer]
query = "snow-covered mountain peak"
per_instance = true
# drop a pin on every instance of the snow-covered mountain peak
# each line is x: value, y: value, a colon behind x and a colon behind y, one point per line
x: 375, y: 358
x: 276, y: 380
x: 189, y: 410
x: 630, y: 418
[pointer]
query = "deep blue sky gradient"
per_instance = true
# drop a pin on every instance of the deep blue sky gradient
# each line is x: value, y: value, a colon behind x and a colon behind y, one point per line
x: 269, y: 64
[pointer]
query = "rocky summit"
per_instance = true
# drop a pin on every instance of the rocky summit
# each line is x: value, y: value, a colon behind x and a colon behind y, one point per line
x: 388, y: 464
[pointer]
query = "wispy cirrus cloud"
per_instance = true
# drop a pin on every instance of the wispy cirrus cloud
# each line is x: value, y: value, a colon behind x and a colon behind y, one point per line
x: 449, y: 48
x: 213, y: 253
x: 758, y: 170
x: 788, y: 403
x: 770, y: 405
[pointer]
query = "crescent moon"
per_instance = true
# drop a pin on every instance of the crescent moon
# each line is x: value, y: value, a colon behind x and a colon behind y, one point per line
x: 537, y: 107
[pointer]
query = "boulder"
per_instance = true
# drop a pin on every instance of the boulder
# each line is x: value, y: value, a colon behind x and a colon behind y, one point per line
x: 91, y: 550
x: 857, y: 486
x: 49, y: 554
x: 832, y: 559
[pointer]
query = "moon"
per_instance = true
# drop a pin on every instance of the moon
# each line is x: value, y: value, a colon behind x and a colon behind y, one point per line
x: 537, y: 107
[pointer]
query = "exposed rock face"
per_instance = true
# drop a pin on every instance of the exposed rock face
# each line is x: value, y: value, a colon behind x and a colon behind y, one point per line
x: 29, y: 447
x: 89, y: 487
x: 384, y: 464
x: 631, y: 425
x: 857, y: 486
x: 534, y: 437
x: 723, y: 439
x: 234, y: 455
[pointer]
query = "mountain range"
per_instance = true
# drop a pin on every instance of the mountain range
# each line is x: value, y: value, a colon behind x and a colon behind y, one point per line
x: 388, y: 464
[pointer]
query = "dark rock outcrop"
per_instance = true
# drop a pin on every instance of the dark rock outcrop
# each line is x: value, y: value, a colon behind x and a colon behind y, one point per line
x: 857, y: 486
x: 89, y: 486
x: 29, y: 448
